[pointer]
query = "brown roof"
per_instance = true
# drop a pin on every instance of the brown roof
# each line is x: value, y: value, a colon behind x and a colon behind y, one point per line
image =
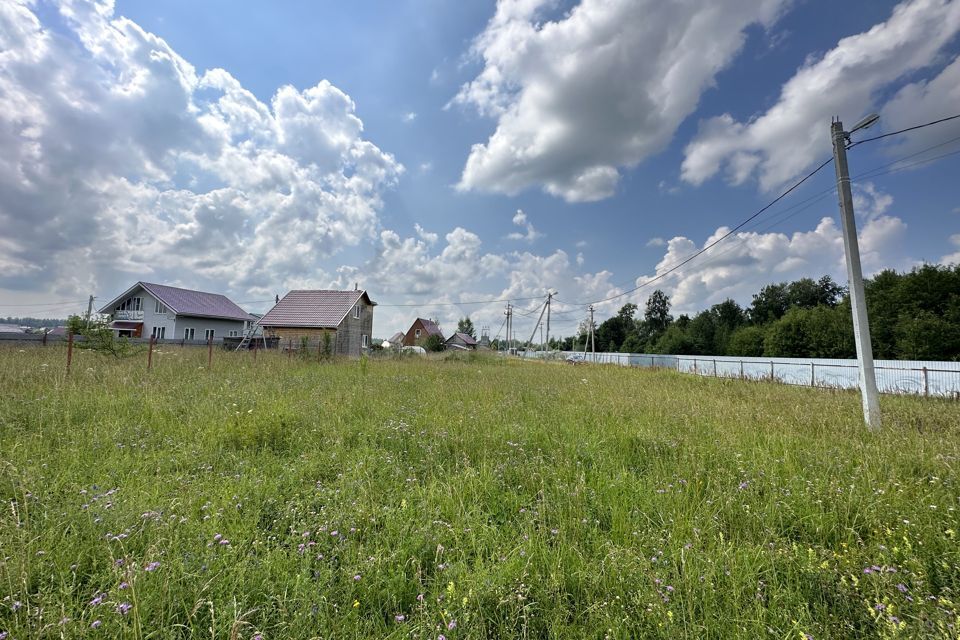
x: 466, y: 338
x: 312, y: 308
x: 431, y: 327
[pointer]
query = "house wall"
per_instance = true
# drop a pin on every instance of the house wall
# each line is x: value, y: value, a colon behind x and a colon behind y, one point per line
x: 411, y: 338
x: 220, y: 327
x: 294, y: 336
x: 351, y: 331
x: 151, y: 318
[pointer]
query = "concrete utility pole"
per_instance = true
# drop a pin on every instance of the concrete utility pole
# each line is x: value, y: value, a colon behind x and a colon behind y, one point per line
x: 549, y: 298
x: 89, y: 311
x: 509, y: 314
x: 858, y: 304
x: 593, y: 346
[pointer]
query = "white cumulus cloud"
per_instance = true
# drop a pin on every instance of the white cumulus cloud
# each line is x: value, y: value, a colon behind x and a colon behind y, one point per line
x: 848, y: 80
x: 566, y: 119
x: 121, y: 162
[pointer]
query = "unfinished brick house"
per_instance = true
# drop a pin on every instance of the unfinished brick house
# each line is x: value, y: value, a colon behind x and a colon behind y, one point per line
x: 307, y: 315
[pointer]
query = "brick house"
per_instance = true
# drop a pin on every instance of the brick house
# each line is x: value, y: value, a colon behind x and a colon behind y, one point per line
x: 419, y: 330
x: 311, y: 314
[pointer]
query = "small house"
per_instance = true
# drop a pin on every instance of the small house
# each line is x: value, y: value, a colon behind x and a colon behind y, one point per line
x: 461, y: 340
x: 420, y: 330
x: 341, y: 321
x: 172, y: 313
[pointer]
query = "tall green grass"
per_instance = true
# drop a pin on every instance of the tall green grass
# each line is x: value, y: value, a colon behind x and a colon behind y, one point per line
x: 463, y: 498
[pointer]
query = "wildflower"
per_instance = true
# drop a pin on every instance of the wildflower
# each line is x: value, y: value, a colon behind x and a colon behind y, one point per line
x: 902, y: 588
x: 399, y: 617
x: 124, y: 608
x: 356, y: 603
x: 356, y: 578
x: 441, y: 637
x: 334, y: 533
x: 97, y: 599
x: 3, y: 635
x: 123, y: 585
x: 153, y: 566
x: 96, y: 624
x: 16, y: 605
x: 420, y: 597
x: 451, y: 625
x: 258, y: 636
x: 743, y: 485
x: 224, y: 541
x: 217, y: 537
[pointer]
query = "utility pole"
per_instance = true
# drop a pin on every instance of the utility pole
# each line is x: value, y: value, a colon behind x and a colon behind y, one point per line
x: 858, y: 304
x: 593, y: 346
x: 509, y: 314
x: 549, y: 299
x: 89, y: 311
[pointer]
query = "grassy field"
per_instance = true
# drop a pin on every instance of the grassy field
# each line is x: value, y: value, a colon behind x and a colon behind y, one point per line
x: 464, y: 498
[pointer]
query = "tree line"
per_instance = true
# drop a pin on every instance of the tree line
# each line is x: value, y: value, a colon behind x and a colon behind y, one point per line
x: 914, y: 315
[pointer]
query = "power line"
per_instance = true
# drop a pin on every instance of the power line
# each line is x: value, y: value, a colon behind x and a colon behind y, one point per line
x: 877, y: 171
x: 896, y: 133
x: 457, y: 304
x: 715, y: 242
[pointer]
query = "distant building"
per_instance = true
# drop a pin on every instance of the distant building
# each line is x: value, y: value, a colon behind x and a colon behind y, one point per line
x: 172, y: 313
x: 11, y: 328
x: 308, y: 315
x: 396, y: 340
x: 461, y: 340
x: 419, y: 330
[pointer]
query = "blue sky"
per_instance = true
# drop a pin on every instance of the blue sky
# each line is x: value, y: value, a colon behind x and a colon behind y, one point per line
x: 437, y: 152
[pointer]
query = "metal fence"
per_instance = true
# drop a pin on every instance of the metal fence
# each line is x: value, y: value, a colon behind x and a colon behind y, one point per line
x: 917, y: 377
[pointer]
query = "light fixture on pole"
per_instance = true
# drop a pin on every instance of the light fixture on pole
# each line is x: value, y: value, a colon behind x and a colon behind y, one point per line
x: 858, y: 304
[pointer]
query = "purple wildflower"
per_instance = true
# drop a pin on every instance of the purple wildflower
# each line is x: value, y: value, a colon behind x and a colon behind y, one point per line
x: 224, y: 541
x: 96, y: 624
x: 399, y: 617
x: 153, y: 566
x: 451, y: 625
x: 97, y: 599
x: 441, y: 637
x: 258, y: 636
x: 3, y: 635
x: 670, y: 588
x: 902, y: 588
x: 356, y: 578
x: 16, y: 605
x: 124, y: 608
x: 123, y: 585
x: 743, y: 485
x: 334, y: 532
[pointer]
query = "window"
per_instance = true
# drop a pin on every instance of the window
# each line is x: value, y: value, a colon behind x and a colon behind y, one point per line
x: 417, y: 334
x: 131, y: 304
x: 208, y: 334
x: 356, y: 311
x: 188, y: 333
x: 159, y: 333
x: 159, y: 308
x: 364, y: 339
x: 233, y: 333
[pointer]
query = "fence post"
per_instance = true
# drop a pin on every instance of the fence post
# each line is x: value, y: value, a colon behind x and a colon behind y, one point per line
x: 69, y: 351
x: 694, y: 366
x: 714, y: 367
x: 926, y: 383
x: 813, y: 375
x: 150, y: 354
x: 289, y: 348
x: 209, y: 352
x: 741, y: 369
x: 45, y: 337
x: 771, y: 371
x: 320, y: 348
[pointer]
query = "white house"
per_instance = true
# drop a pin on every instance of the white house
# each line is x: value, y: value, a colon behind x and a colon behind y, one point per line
x: 173, y: 313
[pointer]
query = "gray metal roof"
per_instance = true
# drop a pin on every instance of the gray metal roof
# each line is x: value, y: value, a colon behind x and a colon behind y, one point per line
x: 312, y: 308
x: 465, y: 337
x: 187, y: 302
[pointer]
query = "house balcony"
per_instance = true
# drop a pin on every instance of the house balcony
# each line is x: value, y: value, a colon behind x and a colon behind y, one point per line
x: 136, y: 316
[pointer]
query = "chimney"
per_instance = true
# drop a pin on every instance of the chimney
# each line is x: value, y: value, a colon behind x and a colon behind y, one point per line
x: 277, y: 301
x: 355, y: 285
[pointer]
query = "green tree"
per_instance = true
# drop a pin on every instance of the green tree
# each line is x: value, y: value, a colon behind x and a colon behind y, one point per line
x: 927, y: 336
x: 612, y: 332
x: 769, y: 304
x: 465, y: 325
x: 675, y: 341
x: 432, y: 342
x: 746, y: 341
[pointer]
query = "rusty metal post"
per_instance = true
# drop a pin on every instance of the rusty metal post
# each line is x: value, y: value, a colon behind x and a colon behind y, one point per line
x: 926, y: 383
x: 150, y: 353
x: 813, y: 375
x: 741, y: 369
x: 714, y: 368
x: 771, y: 371
x: 289, y: 348
x: 69, y: 351
x: 45, y: 332
x: 209, y: 352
